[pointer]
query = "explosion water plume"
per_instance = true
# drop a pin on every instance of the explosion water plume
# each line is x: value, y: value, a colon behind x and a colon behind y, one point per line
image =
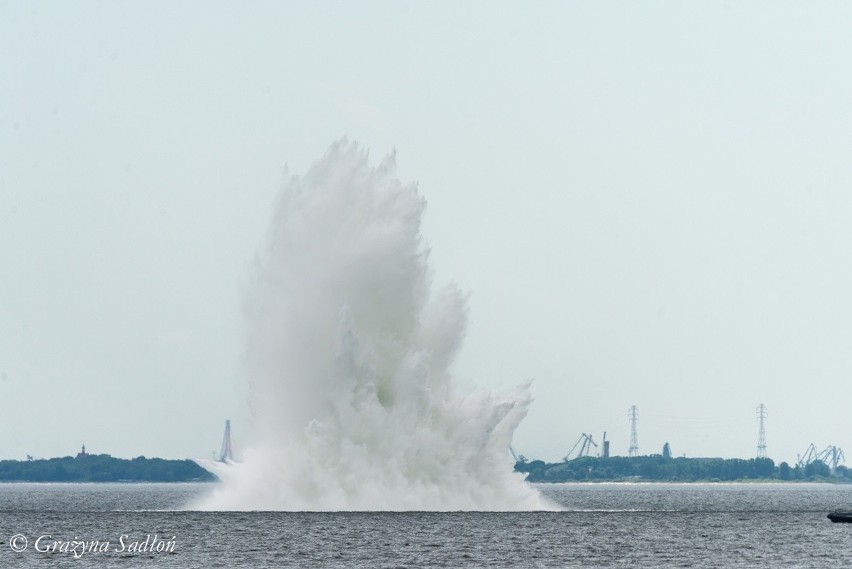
x: 348, y: 355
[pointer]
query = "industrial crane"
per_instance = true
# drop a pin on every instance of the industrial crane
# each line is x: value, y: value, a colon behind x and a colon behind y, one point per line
x: 831, y: 456
x: 518, y: 457
x: 809, y: 456
x: 586, y: 443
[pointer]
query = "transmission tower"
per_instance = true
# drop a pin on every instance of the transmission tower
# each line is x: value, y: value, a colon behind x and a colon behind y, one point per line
x: 761, y: 433
x: 634, y: 440
x: 227, y: 453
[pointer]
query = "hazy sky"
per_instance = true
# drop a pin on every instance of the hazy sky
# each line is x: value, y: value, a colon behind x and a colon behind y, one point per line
x: 649, y: 203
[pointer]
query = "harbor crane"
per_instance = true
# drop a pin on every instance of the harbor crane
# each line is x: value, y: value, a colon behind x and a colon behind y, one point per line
x: 831, y: 456
x: 808, y: 457
x: 518, y: 457
x: 585, y: 443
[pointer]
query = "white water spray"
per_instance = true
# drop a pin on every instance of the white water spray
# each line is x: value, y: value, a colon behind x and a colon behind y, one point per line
x: 348, y: 353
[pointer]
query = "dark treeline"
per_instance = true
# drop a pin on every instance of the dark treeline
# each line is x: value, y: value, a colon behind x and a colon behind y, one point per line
x: 102, y: 468
x: 675, y: 469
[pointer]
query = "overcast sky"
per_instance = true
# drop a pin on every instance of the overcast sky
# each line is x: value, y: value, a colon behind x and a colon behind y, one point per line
x: 649, y: 203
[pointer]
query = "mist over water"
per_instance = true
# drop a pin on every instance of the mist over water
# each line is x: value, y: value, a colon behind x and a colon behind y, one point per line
x: 348, y: 353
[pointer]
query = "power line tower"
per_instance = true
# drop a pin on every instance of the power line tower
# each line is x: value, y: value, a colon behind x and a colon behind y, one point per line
x: 634, y: 440
x: 227, y: 453
x: 761, y: 433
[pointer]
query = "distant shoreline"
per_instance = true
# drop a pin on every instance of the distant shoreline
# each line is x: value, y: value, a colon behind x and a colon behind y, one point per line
x: 745, y: 481
x: 99, y: 468
x: 99, y: 482
x: 656, y: 468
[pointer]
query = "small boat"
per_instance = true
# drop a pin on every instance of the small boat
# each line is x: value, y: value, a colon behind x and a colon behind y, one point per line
x: 840, y: 516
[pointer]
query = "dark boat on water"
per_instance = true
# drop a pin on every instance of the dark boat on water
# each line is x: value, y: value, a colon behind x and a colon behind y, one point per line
x: 838, y: 516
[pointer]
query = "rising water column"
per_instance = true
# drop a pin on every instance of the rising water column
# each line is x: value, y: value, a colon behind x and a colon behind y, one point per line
x: 348, y: 354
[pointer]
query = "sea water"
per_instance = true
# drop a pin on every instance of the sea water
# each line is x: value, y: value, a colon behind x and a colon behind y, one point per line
x: 602, y: 525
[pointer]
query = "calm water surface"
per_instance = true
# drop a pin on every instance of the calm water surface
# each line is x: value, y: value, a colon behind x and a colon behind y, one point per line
x: 604, y: 525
